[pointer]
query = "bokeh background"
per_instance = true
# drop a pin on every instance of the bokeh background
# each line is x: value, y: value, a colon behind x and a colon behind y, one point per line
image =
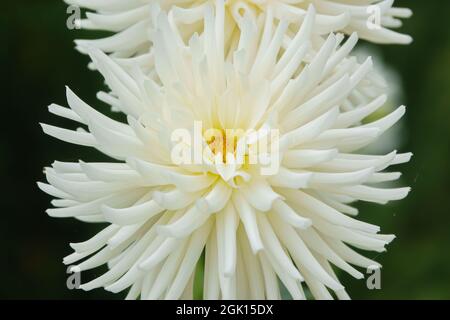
x: 37, y: 54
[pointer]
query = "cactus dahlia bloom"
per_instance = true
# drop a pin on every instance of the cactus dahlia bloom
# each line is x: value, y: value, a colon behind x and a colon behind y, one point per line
x: 257, y: 228
x: 132, y: 20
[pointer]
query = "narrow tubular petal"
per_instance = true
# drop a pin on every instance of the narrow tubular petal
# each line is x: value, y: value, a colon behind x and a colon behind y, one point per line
x: 298, y: 159
x: 248, y: 218
x: 252, y: 267
x: 211, y: 287
x: 290, y: 216
x: 194, y: 250
x: 132, y: 215
x: 301, y: 254
x: 229, y: 222
x: 316, y: 207
x: 286, y: 178
x: 275, y: 249
x: 260, y: 195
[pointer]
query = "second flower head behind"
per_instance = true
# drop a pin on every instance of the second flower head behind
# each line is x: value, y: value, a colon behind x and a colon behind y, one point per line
x: 132, y: 21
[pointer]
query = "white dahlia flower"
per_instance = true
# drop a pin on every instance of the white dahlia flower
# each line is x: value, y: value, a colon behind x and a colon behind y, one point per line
x: 262, y: 216
x: 133, y: 20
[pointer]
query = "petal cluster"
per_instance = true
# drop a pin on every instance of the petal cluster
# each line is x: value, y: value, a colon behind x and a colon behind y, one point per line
x: 257, y: 231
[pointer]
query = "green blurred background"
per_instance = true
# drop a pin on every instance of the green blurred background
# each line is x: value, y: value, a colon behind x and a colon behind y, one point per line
x: 39, y: 60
